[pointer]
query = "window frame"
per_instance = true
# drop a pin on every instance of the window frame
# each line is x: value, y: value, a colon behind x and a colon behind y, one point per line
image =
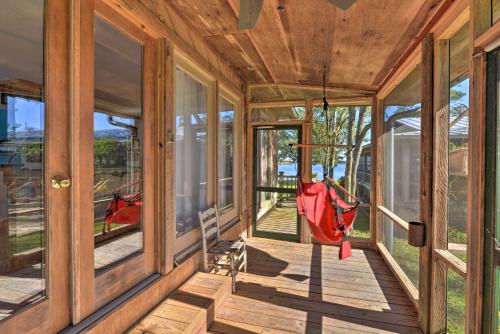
x: 214, y: 87
x: 382, y: 212
x: 233, y: 213
x: 443, y: 259
x: 92, y: 290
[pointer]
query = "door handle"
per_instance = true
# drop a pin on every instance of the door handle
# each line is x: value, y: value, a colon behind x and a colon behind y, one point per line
x: 58, y: 183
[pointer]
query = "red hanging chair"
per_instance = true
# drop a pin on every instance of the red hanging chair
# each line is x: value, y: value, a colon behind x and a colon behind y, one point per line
x: 123, y: 210
x: 328, y: 215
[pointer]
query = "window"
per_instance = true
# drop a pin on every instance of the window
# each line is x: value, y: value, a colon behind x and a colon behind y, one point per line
x: 345, y: 125
x: 118, y: 145
x: 401, y: 175
x: 226, y: 147
x: 22, y: 153
x: 276, y: 114
x: 191, y: 175
x: 458, y: 137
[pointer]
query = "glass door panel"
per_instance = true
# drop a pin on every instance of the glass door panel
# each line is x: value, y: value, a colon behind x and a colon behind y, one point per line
x: 123, y: 160
x: 118, y: 142
x: 276, y: 170
x: 33, y: 230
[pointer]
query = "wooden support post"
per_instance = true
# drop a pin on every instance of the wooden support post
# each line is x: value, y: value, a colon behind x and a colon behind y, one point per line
x: 426, y: 149
x: 249, y: 164
x: 305, y: 231
x: 439, y: 232
x: 170, y: 157
x: 373, y: 174
x: 481, y: 16
x: 481, y: 21
x: 164, y: 149
x: 244, y: 165
x: 379, y: 165
x: 82, y: 193
x: 475, y: 197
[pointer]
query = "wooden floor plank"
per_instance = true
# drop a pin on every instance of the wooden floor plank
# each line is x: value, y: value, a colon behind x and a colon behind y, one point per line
x: 303, y: 288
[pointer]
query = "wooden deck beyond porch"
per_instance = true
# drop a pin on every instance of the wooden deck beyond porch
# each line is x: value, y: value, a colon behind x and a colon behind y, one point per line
x: 298, y: 288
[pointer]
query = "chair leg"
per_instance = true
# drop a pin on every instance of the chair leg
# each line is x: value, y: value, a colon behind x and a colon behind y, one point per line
x: 245, y: 258
x: 233, y: 272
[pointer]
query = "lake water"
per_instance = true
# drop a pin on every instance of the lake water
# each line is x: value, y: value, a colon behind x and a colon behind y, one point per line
x: 317, y: 169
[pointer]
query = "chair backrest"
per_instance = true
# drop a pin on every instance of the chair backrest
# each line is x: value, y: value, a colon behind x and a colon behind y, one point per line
x: 210, y: 229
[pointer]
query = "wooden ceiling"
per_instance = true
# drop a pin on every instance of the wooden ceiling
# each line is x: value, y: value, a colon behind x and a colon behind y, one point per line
x: 358, y: 46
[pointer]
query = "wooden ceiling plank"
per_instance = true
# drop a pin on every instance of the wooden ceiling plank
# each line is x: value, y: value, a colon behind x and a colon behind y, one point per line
x: 268, y: 39
x: 311, y: 30
x: 406, y: 39
x: 246, y: 44
x: 257, y: 57
x: 229, y: 48
x: 364, y: 45
x: 358, y: 46
x: 149, y: 17
x: 209, y: 17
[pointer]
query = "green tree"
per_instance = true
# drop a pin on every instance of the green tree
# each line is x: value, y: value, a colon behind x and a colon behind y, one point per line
x: 110, y: 152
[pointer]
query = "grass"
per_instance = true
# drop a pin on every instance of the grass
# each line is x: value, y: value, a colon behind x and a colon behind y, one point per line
x: 407, y: 257
x: 33, y: 240
x: 26, y: 242
x: 456, y: 303
x: 362, y: 224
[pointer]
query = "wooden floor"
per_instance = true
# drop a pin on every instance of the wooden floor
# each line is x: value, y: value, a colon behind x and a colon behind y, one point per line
x: 20, y: 288
x: 296, y: 288
x: 281, y: 220
x: 116, y: 249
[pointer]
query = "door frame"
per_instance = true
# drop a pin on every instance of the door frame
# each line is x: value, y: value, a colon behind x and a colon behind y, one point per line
x: 491, y: 253
x: 271, y: 235
x: 52, y: 312
x: 90, y: 289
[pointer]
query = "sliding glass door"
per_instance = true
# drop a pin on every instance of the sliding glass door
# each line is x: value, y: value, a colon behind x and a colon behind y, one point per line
x: 34, y: 167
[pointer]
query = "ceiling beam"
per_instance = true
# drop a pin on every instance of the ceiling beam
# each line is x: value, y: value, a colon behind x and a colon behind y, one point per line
x: 314, y: 87
x: 277, y: 104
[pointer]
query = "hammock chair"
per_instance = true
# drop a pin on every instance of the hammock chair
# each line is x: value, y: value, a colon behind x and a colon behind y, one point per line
x: 123, y: 210
x: 328, y: 215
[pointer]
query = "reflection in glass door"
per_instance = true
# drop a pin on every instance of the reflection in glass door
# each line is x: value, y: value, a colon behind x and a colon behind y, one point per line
x: 118, y: 141
x: 276, y: 171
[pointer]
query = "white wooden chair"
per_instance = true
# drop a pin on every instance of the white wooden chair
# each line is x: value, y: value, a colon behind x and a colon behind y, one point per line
x: 220, y: 254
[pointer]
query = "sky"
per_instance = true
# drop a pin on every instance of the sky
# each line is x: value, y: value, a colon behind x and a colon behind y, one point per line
x: 29, y: 114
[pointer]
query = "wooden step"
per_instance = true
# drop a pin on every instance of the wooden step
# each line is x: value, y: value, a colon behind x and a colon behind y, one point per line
x: 189, y: 309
